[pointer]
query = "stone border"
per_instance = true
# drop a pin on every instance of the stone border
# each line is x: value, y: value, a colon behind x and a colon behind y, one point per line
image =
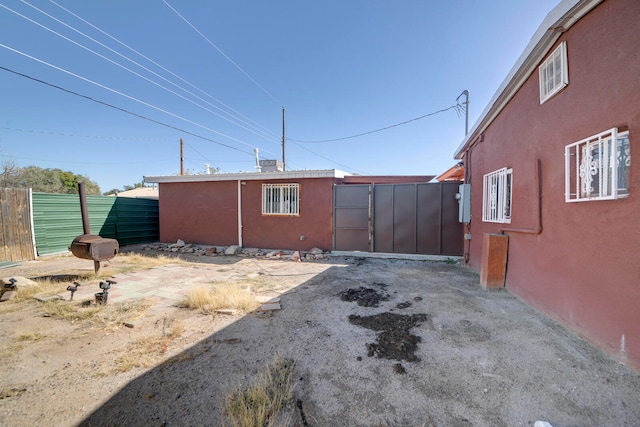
x: 180, y: 247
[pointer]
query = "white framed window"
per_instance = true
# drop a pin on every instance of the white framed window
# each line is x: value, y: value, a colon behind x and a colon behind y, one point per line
x: 280, y: 199
x: 496, y: 196
x: 597, y: 167
x: 554, y: 73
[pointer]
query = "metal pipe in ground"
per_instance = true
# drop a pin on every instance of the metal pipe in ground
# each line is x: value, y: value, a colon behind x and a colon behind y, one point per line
x: 86, y: 227
x: 83, y: 208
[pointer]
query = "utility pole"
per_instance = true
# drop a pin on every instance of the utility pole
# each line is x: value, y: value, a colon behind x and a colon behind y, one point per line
x: 466, y: 110
x: 284, y: 164
x: 181, y: 157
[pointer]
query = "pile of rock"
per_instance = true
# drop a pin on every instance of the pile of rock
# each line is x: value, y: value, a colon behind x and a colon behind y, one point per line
x: 180, y: 247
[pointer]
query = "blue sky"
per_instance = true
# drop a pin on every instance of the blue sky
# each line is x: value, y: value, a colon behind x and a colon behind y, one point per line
x: 217, y: 74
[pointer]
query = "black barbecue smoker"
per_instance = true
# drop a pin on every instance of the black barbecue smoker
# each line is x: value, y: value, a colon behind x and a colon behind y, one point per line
x: 92, y: 246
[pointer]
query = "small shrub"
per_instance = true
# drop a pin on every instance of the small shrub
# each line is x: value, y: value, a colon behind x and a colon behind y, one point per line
x: 30, y: 336
x: 149, y: 351
x: 226, y: 295
x: 259, y: 405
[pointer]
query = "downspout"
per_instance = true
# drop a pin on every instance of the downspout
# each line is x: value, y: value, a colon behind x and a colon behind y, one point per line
x: 538, y: 228
x: 239, y: 213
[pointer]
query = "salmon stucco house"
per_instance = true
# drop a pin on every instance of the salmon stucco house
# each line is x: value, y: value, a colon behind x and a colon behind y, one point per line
x: 302, y: 210
x: 555, y: 190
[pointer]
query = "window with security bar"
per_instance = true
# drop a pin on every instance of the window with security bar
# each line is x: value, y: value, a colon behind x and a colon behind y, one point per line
x: 597, y: 167
x: 496, y: 196
x: 280, y: 199
x: 554, y: 73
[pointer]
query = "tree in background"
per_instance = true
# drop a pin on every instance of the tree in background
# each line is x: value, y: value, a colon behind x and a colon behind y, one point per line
x: 44, y: 180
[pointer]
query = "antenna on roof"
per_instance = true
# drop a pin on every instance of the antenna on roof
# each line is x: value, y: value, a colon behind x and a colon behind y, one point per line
x: 258, y: 167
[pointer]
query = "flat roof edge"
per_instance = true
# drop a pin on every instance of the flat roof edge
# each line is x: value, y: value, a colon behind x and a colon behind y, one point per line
x: 247, y: 176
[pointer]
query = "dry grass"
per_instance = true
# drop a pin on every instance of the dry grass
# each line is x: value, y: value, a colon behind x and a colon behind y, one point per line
x: 125, y: 263
x: 44, y: 286
x: 135, y: 262
x: 143, y: 353
x: 223, y: 295
x: 103, y: 316
x: 10, y: 350
x: 149, y: 351
x: 71, y: 312
x: 30, y: 336
x: 260, y: 405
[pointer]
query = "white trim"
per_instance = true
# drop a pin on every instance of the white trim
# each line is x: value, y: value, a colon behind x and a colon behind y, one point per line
x: 496, y: 200
x: 543, y: 75
x: 283, y: 199
x: 248, y: 176
x: 33, y: 228
x: 240, y: 213
x: 581, y: 165
x: 559, y: 20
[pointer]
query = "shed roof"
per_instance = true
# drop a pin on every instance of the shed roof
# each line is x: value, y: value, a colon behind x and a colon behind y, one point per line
x: 248, y: 176
x: 559, y: 20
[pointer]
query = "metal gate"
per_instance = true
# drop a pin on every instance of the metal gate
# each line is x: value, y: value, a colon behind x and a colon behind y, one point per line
x: 398, y: 218
x: 352, y: 218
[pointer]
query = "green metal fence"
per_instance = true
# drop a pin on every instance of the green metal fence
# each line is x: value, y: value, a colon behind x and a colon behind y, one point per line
x: 57, y: 220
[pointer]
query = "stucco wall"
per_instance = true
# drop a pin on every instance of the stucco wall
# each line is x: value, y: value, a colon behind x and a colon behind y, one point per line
x: 199, y: 212
x: 277, y: 231
x: 584, y: 267
x: 207, y: 213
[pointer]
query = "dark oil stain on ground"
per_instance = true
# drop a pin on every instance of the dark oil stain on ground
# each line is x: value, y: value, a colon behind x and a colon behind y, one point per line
x: 365, y: 297
x: 394, y: 339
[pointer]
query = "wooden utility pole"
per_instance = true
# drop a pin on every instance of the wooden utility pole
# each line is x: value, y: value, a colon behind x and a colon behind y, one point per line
x: 181, y: 157
x: 284, y: 163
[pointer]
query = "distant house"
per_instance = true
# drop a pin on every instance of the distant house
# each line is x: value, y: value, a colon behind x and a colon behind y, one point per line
x: 140, y: 193
x: 301, y: 210
x: 555, y: 197
x: 454, y: 174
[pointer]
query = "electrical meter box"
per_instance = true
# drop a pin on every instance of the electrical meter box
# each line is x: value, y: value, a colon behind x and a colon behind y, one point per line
x: 464, y: 203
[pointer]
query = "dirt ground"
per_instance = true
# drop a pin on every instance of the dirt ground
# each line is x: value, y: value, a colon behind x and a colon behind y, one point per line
x: 376, y: 342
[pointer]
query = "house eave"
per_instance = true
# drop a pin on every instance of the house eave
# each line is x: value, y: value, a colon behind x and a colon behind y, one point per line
x: 247, y: 176
x: 559, y: 20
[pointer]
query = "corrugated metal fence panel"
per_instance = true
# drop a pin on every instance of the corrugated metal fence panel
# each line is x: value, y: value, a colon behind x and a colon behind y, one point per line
x: 138, y: 220
x: 16, y: 238
x: 58, y: 220
x: 102, y: 215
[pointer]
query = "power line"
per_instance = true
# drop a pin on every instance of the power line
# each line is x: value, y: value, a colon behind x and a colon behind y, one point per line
x: 257, y: 125
x: 121, y: 138
x: 101, y: 162
x: 332, y: 161
x: 116, y: 92
x: 456, y: 107
x: 222, y: 53
x: 121, y: 109
x: 133, y: 72
x: 127, y: 69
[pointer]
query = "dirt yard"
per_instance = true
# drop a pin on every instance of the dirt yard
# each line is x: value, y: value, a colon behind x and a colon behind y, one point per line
x: 372, y: 342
